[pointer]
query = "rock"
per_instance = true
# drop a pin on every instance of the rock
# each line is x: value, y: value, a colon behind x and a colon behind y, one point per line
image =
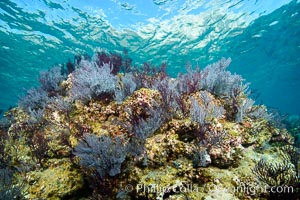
x: 59, y: 180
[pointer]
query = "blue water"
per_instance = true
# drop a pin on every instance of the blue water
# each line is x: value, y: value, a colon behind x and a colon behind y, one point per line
x: 261, y: 37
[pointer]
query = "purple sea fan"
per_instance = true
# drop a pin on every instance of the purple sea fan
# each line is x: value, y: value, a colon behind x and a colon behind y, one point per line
x: 126, y: 88
x: 197, y: 112
x: 243, y: 109
x: 35, y: 99
x: 191, y: 81
x: 101, y: 154
x: 168, y: 88
x: 90, y: 81
x: 201, y: 113
x: 218, y: 81
x: 114, y: 60
x: 50, y: 80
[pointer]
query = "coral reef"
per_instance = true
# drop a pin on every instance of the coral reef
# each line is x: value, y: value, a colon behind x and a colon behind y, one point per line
x: 102, y: 129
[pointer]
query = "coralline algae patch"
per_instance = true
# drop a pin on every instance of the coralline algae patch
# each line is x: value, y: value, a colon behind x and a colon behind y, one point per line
x: 105, y: 130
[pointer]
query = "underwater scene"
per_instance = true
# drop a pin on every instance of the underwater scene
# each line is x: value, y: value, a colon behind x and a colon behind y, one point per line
x: 150, y: 99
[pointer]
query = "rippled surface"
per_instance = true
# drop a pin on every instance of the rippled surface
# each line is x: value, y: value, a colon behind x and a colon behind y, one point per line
x: 261, y: 37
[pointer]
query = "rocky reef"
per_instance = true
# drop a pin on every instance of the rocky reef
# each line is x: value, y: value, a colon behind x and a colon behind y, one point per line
x: 103, y: 129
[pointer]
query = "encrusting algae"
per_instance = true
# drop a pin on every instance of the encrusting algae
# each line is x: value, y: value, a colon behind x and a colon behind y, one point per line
x: 140, y: 134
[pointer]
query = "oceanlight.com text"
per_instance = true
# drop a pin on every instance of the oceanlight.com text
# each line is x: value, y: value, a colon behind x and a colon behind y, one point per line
x: 191, y: 188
